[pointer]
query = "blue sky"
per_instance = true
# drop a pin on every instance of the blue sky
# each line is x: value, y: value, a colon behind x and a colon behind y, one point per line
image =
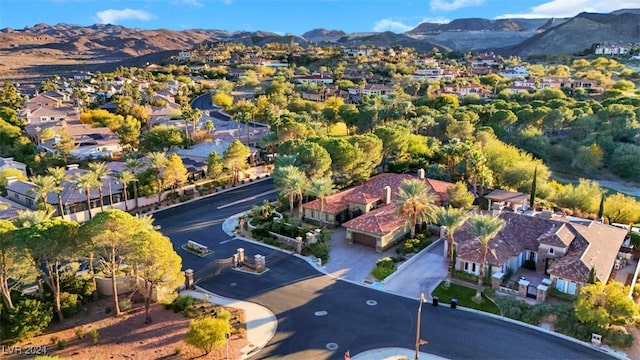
x: 286, y: 16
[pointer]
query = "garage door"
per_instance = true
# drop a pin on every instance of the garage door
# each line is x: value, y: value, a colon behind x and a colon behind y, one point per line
x: 366, y: 240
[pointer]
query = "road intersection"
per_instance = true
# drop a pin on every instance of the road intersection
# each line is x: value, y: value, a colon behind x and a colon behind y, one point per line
x: 320, y: 317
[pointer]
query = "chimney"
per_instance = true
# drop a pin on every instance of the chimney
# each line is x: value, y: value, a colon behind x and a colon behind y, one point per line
x: 387, y: 195
x: 420, y: 173
x: 11, y: 179
x: 72, y: 166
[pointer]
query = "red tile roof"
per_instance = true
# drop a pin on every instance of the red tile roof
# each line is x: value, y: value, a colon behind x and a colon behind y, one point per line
x: 372, y: 191
x: 380, y: 221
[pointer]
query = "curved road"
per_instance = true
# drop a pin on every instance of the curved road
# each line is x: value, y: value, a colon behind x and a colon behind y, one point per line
x: 295, y: 291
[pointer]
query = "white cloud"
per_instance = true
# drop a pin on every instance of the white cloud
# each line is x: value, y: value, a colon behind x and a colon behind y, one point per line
x: 563, y: 8
x: 391, y: 25
x: 194, y: 3
x: 112, y: 16
x: 450, y: 5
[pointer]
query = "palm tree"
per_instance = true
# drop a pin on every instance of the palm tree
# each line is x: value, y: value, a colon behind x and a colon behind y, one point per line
x: 158, y: 160
x: 415, y: 202
x: 321, y: 188
x: 485, y: 227
x: 133, y: 165
x: 126, y: 178
x: 59, y: 175
x: 86, y: 181
x: 451, y: 219
x: 291, y: 182
x: 101, y: 172
x: 42, y: 185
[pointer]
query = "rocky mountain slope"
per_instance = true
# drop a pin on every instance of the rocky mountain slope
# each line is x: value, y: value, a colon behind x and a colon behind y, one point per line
x: 29, y: 49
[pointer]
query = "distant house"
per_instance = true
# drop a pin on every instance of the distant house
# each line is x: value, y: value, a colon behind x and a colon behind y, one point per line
x: 485, y: 59
x: 317, y: 79
x: 367, y: 211
x: 9, y: 163
x: 73, y: 199
x: 91, y: 142
x: 512, y: 72
x: 372, y: 90
x: 564, y: 251
x: 43, y: 114
x: 9, y: 209
x: 611, y: 49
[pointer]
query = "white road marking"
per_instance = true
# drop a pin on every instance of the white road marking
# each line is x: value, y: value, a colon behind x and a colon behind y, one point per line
x: 246, y: 199
x: 226, y: 241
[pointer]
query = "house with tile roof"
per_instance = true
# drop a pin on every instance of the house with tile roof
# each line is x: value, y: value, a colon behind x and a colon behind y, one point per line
x: 564, y: 251
x: 368, y: 212
x: 73, y: 199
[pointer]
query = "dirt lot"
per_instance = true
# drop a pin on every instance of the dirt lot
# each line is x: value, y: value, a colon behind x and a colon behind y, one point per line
x: 127, y: 337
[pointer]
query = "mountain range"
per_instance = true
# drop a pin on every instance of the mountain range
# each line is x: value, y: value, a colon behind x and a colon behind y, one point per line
x: 29, y: 49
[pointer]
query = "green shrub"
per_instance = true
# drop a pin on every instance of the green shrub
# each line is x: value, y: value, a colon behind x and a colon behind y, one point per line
x: 320, y: 250
x: 618, y: 336
x: 125, y: 304
x: 384, y: 267
x: 62, y: 344
x: 70, y: 304
x: 511, y: 307
x: 465, y: 276
x: 27, y: 319
x: 81, y: 285
x: 489, y: 292
x: 95, y: 335
x: 561, y: 295
x: 183, y: 303
x: 79, y: 333
x: 636, y: 292
x: 224, y: 314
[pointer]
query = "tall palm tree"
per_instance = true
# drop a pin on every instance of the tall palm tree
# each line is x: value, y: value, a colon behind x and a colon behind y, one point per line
x: 59, y: 175
x: 85, y: 181
x: 101, y: 172
x: 126, y: 178
x: 157, y: 160
x: 415, y: 202
x: 321, y: 188
x: 42, y: 185
x: 133, y: 165
x: 451, y: 219
x: 485, y: 228
x: 291, y: 182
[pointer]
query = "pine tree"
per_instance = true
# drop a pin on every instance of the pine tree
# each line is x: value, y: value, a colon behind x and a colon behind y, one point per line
x: 532, y: 197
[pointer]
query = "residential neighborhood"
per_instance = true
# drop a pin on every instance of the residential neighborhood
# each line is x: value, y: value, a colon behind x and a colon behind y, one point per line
x: 232, y: 189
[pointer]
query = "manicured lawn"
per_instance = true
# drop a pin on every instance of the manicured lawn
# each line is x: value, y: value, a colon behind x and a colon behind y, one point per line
x: 465, y: 297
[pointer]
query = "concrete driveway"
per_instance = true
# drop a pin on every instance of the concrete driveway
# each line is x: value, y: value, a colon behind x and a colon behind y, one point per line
x: 420, y: 274
x: 351, y: 261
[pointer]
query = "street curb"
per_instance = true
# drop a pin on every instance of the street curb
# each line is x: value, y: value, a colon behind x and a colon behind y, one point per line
x: 226, y: 189
x: 618, y: 355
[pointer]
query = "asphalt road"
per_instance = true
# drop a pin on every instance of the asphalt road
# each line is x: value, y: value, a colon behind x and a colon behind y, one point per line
x: 294, y: 291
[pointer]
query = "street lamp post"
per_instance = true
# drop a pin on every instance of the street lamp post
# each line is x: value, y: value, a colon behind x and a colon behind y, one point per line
x: 418, y: 340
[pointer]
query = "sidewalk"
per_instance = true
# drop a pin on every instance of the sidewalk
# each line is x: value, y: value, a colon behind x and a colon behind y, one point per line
x: 261, y: 323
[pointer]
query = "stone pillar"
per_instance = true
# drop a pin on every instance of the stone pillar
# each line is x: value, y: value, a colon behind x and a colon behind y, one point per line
x: 240, y: 255
x: 496, y: 280
x: 522, y: 288
x: 260, y: 263
x: 188, y: 279
x: 299, y: 245
x: 541, y: 294
x: 236, y: 263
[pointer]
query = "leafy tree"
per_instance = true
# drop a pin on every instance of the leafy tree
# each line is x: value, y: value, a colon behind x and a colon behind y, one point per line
x: 174, y: 173
x: 215, y: 166
x: 606, y: 304
x: 394, y: 139
x: 129, y: 132
x: 416, y: 203
x: 223, y: 100
x: 485, y: 228
x: 236, y: 157
x: 622, y: 209
x: 64, y: 145
x: 207, y: 333
x: 292, y: 183
x: 584, y: 196
x: 9, y: 96
x: 14, y: 262
x: 157, y: 263
x: 460, y: 196
x: 313, y: 159
x: 371, y: 146
x: 344, y: 156
x: 52, y: 244
x: 113, y: 235
x: 157, y: 161
x: 162, y: 138
x: 624, y: 161
x: 26, y: 320
x: 451, y: 219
